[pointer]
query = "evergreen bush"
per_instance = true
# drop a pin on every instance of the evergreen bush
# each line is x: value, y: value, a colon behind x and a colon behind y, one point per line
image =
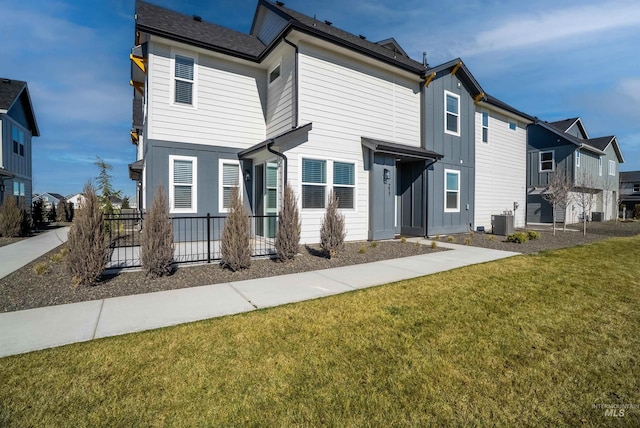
x: 10, y: 218
x: 235, y: 246
x: 288, y: 237
x: 37, y: 212
x: 332, y: 231
x: 157, y: 238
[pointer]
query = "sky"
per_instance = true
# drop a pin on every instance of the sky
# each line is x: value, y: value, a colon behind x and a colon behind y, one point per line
x: 550, y: 59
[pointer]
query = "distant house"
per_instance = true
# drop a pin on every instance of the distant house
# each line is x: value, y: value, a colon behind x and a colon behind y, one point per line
x: 17, y: 127
x: 77, y: 200
x: 630, y: 191
x: 49, y: 199
x: 590, y: 164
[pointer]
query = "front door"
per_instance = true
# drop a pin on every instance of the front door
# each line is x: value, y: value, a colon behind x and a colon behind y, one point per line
x: 411, y: 195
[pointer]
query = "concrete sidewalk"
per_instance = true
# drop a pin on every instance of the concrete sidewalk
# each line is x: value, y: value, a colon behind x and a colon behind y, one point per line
x: 35, y: 329
x: 14, y: 256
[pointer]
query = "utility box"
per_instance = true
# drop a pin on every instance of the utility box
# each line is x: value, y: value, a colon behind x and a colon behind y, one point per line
x: 502, y: 224
x: 597, y: 216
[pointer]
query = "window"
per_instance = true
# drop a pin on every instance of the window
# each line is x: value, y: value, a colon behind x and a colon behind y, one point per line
x: 485, y: 127
x: 513, y: 126
x: 183, y: 173
x: 578, y: 159
x: 452, y: 113
x: 18, y: 141
x: 600, y: 166
x: 184, y: 78
x: 18, y: 188
x: 451, y: 191
x: 636, y: 187
x: 314, y: 180
x: 274, y: 74
x: 229, y: 178
x: 546, y: 161
x: 612, y: 167
x: 344, y: 183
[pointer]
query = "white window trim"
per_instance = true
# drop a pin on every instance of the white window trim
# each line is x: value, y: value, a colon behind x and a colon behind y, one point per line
x: 483, y: 127
x: 194, y: 185
x: 612, y: 168
x: 194, y: 86
x: 446, y: 131
x: 452, y: 210
x: 600, y: 166
x: 279, y: 64
x: 553, y: 161
x: 634, y: 186
x: 515, y: 125
x: 578, y: 159
x: 329, y: 184
x: 221, y: 162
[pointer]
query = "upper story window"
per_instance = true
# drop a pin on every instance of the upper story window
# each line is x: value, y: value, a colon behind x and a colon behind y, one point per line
x: 485, y: 127
x: 183, y: 173
x: 274, y: 74
x: 600, y: 166
x: 547, y: 163
x: 451, y: 113
x: 513, y: 126
x: 636, y: 187
x: 451, y: 190
x: 18, y: 141
x: 229, y: 178
x: 184, y: 79
x: 578, y: 158
x: 612, y: 167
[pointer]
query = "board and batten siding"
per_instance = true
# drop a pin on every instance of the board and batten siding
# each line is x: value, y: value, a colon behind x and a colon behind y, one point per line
x: 280, y: 93
x: 228, y: 98
x: 500, y: 169
x: 347, y: 99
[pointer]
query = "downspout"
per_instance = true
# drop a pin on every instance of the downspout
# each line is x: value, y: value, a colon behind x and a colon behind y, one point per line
x: 280, y: 155
x: 295, y: 85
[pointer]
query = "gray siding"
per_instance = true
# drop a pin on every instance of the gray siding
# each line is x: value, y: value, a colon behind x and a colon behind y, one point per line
x: 540, y: 140
x: 458, y: 152
x: 382, y: 196
x: 18, y: 165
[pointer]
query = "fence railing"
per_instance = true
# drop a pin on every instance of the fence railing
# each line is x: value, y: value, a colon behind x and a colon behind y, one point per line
x: 196, y: 238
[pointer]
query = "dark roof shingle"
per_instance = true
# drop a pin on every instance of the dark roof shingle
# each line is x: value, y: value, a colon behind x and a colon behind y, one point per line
x: 630, y: 176
x: 9, y: 91
x: 564, y: 125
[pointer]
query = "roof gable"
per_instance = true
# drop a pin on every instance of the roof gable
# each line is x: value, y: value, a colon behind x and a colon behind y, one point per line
x: 462, y: 73
x: 16, y: 102
x: 392, y: 45
x: 572, y: 126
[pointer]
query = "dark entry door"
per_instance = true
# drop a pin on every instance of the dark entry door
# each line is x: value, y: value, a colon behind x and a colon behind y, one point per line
x: 411, y: 189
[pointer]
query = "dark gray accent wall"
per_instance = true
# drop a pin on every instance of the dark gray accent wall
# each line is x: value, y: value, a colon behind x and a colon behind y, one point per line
x: 382, y: 196
x: 20, y: 166
x: 458, y: 152
x: 541, y: 140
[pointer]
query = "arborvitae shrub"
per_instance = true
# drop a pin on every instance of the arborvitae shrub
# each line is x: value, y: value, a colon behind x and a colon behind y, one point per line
x: 332, y: 231
x: 157, y: 238
x: 52, y: 214
x: 235, y: 245
x: 10, y: 217
x: 64, y: 211
x: 87, y: 245
x: 37, y: 212
x: 288, y: 237
x: 636, y: 211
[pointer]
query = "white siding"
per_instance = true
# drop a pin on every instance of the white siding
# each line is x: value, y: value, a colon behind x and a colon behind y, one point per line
x: 228, y: 104
x: 346, y: 100
x: 280, y: 93
x: 500, y: 169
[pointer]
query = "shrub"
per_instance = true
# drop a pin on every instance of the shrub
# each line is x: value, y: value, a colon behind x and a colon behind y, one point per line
x: 37, y: 212
x: 60, y: 255
x: 288, y: 236
x: 86, y: 242
x: 438, y: 237
x: 52, y: 214
x: 467, y: 241
x: 10, y: 218
x: 519, y: 237
x: 236, y: 244
x: 363, y: 249
x: 40, y: 268
x: 451, y: 238
x: 636, y: 211
x: 533, y: 235
x: 332, y: 231
x: 491, y: 237
x: 156, y: 246
x: 434, y: 245
x: 64, y: 211
x: 373, y: 244
x: 403, y: 239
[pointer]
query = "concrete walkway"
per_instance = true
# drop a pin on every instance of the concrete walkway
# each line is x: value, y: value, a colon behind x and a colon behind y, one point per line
x: 35, y: 329
x: 14, y: 256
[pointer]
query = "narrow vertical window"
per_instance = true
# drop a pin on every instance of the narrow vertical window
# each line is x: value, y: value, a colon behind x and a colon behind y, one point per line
x: 184, y: 80
x: 451, y: 190
x: 314, y: 181
x: 344, y: 183
x: 274, y: 74
x: 600, y: 166
x: 578, y: 159
x: 452, y: 113
x: 18, y: 141
x: 612, y: 167
x: 182, y: 186
x: 485, y: 127
x: 230, y: 171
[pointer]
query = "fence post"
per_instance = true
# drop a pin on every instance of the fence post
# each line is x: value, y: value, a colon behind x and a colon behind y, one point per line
x: 208, y: 238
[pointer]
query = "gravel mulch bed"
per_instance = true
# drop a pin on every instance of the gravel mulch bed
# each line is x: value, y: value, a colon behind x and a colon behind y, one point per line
x: 7, y: 241
x: 24, y: 289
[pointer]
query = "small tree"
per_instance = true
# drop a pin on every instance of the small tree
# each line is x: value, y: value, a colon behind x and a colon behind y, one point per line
x: 87, y: 244
x: 235, y: 245
x: 585, y: 196
x: 157, y: 238
x: 52, y: 214
x: 558, y: 194
x: 125, y: 203
x: 103, y: 183
x: 10, y: 218
x: 64, y: 211
x: 332, y: 231
x: 37, y: 212
x: 609, y: 185
x: 288, y: 237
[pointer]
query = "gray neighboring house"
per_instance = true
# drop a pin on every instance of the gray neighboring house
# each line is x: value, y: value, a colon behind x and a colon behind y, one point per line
x: 566, y: 146
x: 630, y: 191
x: 49, y: 199
x: 17, y: 126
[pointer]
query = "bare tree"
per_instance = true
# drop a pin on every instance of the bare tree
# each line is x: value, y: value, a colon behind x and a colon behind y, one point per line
x: 585, y: 195
x: 558, y: 193
x: 609, y: 185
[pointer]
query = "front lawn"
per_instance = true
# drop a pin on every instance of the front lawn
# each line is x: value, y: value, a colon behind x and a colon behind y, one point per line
x: 531, y: 340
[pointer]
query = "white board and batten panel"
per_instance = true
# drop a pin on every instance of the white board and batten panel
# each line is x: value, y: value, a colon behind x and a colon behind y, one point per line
x: 227, y: 105
x: 347, y: 99
x: 500, y: 168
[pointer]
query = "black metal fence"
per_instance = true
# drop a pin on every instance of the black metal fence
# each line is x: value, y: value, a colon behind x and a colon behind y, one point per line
x: 196, y: 238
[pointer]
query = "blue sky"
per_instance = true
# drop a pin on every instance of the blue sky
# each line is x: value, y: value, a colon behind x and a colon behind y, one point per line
x: 550, y: 59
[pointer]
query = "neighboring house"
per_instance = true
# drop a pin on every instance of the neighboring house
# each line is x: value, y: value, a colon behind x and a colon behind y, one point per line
x: 49, y: 199
x: 77, y: 200
x: 17, y: 127
x: 501, y: 160
x: 590, y: 164
x: 630, y: 191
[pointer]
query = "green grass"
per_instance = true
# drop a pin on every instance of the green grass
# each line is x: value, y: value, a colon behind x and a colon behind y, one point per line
x: 530, y: 340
